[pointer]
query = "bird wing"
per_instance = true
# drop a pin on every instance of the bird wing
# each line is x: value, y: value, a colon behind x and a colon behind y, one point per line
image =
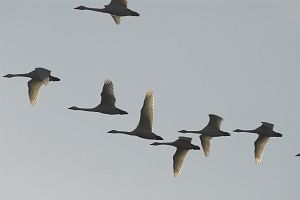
x: 118, y: 3
x: 178, y: 159
x: 43, y: 74
x: 183, y: 138
x: 117, y: 19
x: 259, y: 145
x: 34, y: 90
x: 214, y: 122
x: 107, y: 95
x: 267, y: 125
x: 205, y: 142
x: 146, y: 117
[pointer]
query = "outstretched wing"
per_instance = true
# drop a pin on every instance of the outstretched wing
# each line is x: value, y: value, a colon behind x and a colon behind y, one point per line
x: 107, y: 95
x: 214, y: 122
x: 259, y: 145
x: 118, y: 3
x: 117, y: 19
x: 43, y: 74
x: 205, y: 142
x: 34, y: 90
x: 146, y: 117
x: 178, y: 159
x: 267, y: 126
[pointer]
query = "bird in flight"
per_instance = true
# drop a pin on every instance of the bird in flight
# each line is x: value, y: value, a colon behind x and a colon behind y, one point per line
x: 39, y: 76
x: 116, y: 8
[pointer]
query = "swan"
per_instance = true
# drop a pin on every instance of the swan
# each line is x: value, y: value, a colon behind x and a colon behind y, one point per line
x: 144, y: 127
x: 265, y: 131
x: 39, y: 76
x: 108, y: 101
x: 116, y: 8
x: 183, y: 145
x: 211, y: 130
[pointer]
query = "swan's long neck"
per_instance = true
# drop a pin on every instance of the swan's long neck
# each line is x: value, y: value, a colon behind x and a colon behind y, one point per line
x: 186, y: 131
x: 82, y: 109
x: 17, y: 75
x: 247, y: 131
x: 120, y: 132
x: 96, y: 9
x: 162, y: 143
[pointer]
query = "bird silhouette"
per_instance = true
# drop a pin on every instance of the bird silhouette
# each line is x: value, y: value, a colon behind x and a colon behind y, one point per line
x: 265, y: 131
x: 144, y: 127
x: 39, y: 76
x: 212, y: 129
x: 107, y: 104
x: 116, y: 8
x: 183, y: 145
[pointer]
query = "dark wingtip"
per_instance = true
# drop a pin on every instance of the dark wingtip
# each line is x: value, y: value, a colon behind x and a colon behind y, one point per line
x: 72, y: 108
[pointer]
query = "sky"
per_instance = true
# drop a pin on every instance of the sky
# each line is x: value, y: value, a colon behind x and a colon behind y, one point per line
x: 238, y: 59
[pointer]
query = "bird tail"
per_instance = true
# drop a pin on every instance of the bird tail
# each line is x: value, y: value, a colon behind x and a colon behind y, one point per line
x: 122, y: 112
x: 53, y: 78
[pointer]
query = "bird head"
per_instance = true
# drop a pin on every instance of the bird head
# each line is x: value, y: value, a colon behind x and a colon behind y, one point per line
x: 8, y: 76
x: 73, y: 108
x: 237, y: 130
x: 182, y: 131
x: 80, y: 8
x: 155, y: 143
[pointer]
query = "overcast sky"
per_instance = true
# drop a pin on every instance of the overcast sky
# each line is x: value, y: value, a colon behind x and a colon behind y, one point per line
x: 235, y: 58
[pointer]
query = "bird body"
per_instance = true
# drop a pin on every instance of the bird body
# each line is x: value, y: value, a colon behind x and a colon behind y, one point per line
x: 144, y: 127
x: 265, y: 131
x: 39, y: 76
x: 183, y: 145
x: 212, y: 129
x: 107, y: 104
x: 116, y: 8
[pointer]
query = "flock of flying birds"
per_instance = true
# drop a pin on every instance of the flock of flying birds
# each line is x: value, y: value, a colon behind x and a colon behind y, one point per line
x: 117, y: 9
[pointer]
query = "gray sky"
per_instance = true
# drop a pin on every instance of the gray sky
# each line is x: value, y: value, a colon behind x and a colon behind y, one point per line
x: 238, y: 59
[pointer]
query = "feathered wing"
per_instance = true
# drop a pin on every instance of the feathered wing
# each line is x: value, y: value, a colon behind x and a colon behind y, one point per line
x: 146, y: 117
x: 34, y: 90
x: 117, y: 19
x: 107, y: 95
x: 268, y: 125
x: 178, y: 159
x: 118, y: 3
x: 43, y: 74
x: 265, y: 128
x: 259, y: 145
x: 205, y: 142
x: 214, y: 122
